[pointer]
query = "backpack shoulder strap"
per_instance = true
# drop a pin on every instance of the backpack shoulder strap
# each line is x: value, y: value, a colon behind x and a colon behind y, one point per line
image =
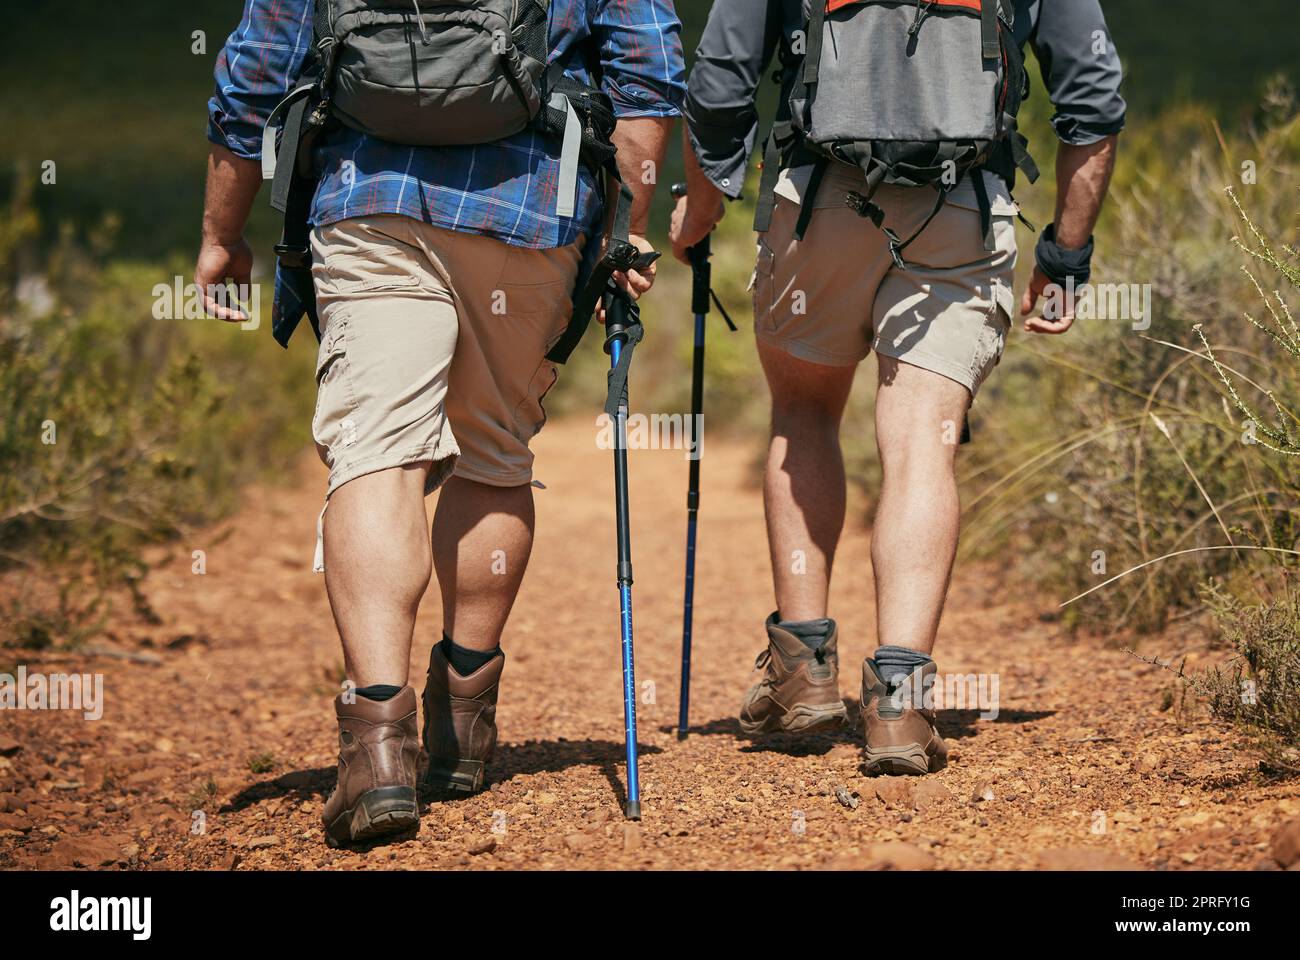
x: 992, y: 49
x: 813, y: 49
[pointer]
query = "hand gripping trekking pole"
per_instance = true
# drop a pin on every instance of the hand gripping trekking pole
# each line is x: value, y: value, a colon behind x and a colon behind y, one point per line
x: 622, y: 334
x: 701, y: 293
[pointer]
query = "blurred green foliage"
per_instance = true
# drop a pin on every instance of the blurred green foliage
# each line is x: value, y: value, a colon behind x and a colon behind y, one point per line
x: 120, y: 429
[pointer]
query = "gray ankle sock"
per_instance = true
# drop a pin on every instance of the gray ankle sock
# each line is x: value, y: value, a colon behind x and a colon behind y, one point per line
x: 812, y: 633
x: 898, y: 663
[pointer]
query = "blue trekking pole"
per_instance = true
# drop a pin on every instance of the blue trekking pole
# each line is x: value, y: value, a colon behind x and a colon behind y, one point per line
x: 622, y: 333
x: 701, y: 292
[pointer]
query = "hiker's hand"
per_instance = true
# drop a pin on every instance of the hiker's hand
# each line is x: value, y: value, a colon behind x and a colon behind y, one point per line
x: 217, y: 263
x: 689, y: 225
x: 1039, y: 283
x: 637, y: 282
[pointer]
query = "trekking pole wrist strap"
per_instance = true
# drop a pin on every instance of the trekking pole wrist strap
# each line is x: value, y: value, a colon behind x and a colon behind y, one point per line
x: 1061, y: 265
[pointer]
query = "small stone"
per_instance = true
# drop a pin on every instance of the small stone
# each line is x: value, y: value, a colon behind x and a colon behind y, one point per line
x: 261, y: 843
x: 1146, y: 763
x: 983, y: 792
x: 893, y: 792
x: 846, y: 798
x: 83, y: 852
x: 1286, y: 844
x: 481, y: 845
x: 928, y: 793
x: 8, y: 746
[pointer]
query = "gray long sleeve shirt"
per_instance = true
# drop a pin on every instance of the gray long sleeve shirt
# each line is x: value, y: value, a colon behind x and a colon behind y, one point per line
x: 1080, y: 71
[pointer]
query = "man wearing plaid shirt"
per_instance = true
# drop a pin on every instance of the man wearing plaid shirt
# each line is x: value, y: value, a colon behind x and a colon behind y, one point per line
x: 442, y: 276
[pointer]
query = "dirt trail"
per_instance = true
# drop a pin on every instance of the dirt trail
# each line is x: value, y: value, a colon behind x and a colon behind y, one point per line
x: 222, y: 754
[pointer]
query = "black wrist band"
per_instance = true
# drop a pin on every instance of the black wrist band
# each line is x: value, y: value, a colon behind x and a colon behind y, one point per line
x: 1059, y: 264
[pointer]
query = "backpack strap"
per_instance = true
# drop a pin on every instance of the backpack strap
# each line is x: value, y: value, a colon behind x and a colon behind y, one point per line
x: 897, y: 246
x: 766, y: 202
x: 989, y: 43
x: 288, y: 113
x: 809, y: 194
x: 1020, y: 154
x: 985, y: 208
x: 566, y: 193
x: 813, y: 51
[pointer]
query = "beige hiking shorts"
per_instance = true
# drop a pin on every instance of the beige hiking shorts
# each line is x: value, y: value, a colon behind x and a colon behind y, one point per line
x: 837, y: 294
x: 433, y: 348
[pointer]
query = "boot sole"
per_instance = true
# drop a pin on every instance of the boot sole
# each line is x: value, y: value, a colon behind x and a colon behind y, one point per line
x: 909, y: 760
x: 801, y: 718
x: 457, y: 776
x: 377, y: 813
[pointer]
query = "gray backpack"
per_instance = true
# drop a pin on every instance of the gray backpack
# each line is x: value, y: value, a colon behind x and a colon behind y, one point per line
x: 452, y: 72
x: 431, y: 74
x: 916, y: 93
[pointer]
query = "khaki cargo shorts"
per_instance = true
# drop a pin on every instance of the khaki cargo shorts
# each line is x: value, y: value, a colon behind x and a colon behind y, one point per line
x: 837, y: 295
x: 433, y: 348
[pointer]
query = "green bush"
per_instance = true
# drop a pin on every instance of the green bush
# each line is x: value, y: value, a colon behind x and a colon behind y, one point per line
x: 1119, y: 445
x: 119, y: 429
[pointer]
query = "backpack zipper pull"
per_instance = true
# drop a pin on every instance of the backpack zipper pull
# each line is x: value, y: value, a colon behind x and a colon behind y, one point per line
x: 419, y: 22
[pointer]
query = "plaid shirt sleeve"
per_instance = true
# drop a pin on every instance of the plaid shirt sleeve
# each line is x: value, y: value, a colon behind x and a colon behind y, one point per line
x: 643, y: 70
x: 256, y: 69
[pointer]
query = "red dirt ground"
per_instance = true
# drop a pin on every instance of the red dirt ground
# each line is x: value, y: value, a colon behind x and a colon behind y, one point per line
x: 1081, y: 768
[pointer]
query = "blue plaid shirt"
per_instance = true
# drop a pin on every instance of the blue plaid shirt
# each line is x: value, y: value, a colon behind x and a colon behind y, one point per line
x: 505, y: 189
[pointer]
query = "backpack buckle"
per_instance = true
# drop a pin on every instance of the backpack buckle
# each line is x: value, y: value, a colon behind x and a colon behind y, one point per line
x: 864, y: 207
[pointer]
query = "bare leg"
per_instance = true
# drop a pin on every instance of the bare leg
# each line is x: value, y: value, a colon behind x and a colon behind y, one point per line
x: 803, y: 487
x: 377, y: 567
x: 482, y: 538
x: 918, y: 423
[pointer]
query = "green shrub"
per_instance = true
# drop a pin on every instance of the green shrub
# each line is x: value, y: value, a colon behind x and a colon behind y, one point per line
x: 119, y: 429
x: 1119, y: 446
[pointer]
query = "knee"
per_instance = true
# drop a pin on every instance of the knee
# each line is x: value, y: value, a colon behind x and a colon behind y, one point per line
x: 921, y: 448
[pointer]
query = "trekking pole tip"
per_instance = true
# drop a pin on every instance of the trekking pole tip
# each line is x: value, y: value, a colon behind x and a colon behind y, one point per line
x: 632, y: 810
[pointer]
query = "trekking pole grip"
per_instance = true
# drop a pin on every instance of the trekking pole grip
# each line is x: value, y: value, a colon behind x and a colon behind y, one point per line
x: 701, y: 271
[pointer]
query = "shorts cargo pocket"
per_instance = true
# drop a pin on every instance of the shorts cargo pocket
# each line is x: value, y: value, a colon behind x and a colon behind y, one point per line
x: 334, y: 399
x: 350, y: 277
x: 992, y: 336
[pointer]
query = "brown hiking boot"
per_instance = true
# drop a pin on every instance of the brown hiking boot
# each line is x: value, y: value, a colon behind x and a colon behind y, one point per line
x: 799, y: 692
x: 900, y: 738
x: 378, y: 751
x: 460, y: 722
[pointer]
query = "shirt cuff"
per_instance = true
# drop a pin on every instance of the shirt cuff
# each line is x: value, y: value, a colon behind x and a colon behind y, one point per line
x: 639, y: 100
x: 1083, y: 133
x: 727, y: 173
x: 248, y: 146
